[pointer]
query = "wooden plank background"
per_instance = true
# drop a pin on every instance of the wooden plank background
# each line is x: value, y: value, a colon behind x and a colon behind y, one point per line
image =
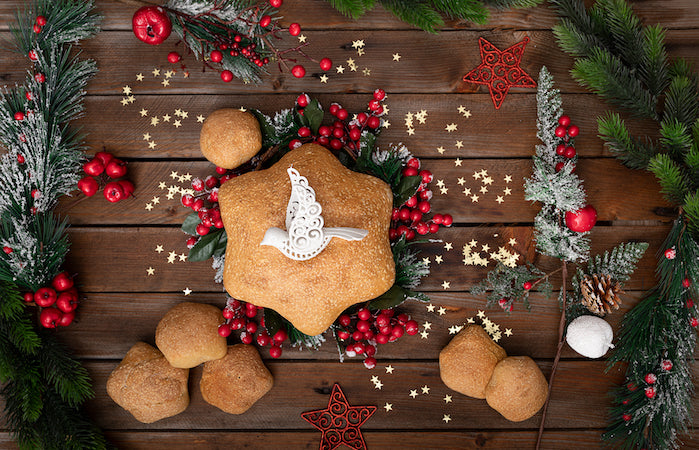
x: 112, y: 245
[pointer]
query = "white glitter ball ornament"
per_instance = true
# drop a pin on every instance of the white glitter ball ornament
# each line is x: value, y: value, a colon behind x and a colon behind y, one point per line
x: 590, y: 336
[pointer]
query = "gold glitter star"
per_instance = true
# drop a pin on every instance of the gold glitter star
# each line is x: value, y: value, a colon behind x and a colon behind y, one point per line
x: 461, y: 181
x: 149, y: 207
x: 358, y: 43
x: 366, y: 72
x: 474, y: 199
x: 169, y: 74
x: 487, y: 180
x: 457, y: 162
x: 146, y: 137
x: 156, y: 200
x: 512, y: 242
x: 467, y: 191
x: 187, y: 291
x: 154, y: 121
x: 467, y: 114
x: 447, y: 399
x: 150, y: 271
x: 159, y: 248
x: 440, y: 183
x: 385, y: 123
x: 473, y: 243
x: 455, y: 329
x: 323, y: 78
x: 413, y: 393
x: 131, y: 99
x: 171, y: 257
x: 185, y: 114
x: 139, y: 77
x: 182, y: 257
x: 340, y: 69
x: 476, y: 175
x: 483, y: 190
x: 450, y: 127
x: 411, y: 131
x: 388, y: 407
x: 156, y: 72
x: 165, y: 82
x: 459, y: 144
x: 424, y: 334
x: 499, y: 199
x: 425, y: 389
x: 481, y: 314
x: 440, y: 150
x: 470, y: 320
x: 446, y: 285
x: 396, y: 57
x: 438, y: 259
x: 166, y: 118
x: 448, y: 246
x: 426, y: 261
x: 187, y: 176
x: 152, y: 144
x: 170, y: 196
x: 162, y: 185
x: 508, y: 178
x: 378, y: 385
x: 461, y: 109
x: 485, y: 247
x: 200, y: 118
x: 302, y: 38
x: 177, y: 123
x: 441, y: 311
x: 443, y: 190
x: 508, y: 332
x: 360, y: 52
x: 178, y: 112
x: 389, y: 369
x: 124, y: 101
x: 144, y: 112
x: 446, y: 418
x: 126, y: 90
x: 174, y: 175
x: 427, y: 325
x: 507, y: 191
x: 430, y: 307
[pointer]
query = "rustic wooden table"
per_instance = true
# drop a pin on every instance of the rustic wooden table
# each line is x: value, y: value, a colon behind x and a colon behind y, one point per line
x: 114, y: 245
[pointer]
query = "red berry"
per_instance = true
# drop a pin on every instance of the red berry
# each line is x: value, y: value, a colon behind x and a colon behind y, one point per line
x: 582, y: 220
x: 650, y: 392
x: 295, y: 144
x: 336, y: 144
x: 262, y: 339
x: 40, y: 77
x: 413, y: 163
x: 224, y: 330
x: 690, y: 303
x: 45, y: 297
x: 20, y: 159
x: 358, y: 348
x: 280, y: 336
x: 415, y: 216
x: 426, y: 176
x: 357, y: 335
x: 202, y: 230
x: 237, y: 323
x: 437, y: 218
x: 151, y: 24
x: 227, y: 313
x: 36, y: 28
x: 569, y: 152
x: 221, y: 170
x: 364, y: 314
x: 573, y: 130
x: 666, y: 365
x: 28, y: 95
x: 397, y: 331
x: 115, y: 169
x: 325, y: 64
x: 334, y: 108
x: 626, y: 417
x: 342, y: 114
x: 41, y: 20
x: 650, y: 378
x: 344, y: 320
x: 422, y: 228
x: 62, y: 282
x: 374, y: 105
x: 33, y: 55
x: 298, y: 71
x: 370, y: 362
x: 559, y: 166
x: 373, y: 122
x: 434, y: 228
x: 216, y: 56
x: 93, y: 167
x: 7, y: 250
x: 424, y: 207
x: 294, y: 29
x: 246, y: 338
x: 411, y: 327
x: 685, y: 283
x: 527, y: 285
x: 560, y: 131
x: 564, y: 121
x: 88, y: 186
x: 425, y: 194
x: 448, y: 220
x: 187, y: 200
x: 303, y: 100
x: 210, y: 182
x: 503, y: 302
x: 392, y: 234
x: 251, y: 327
x: 275, y: 351
x: 49, y: 317
x: 304, y: 132
x: 694, y: 322
x: 382, y: 339
x: 670, y: 253
x: 19, y: 115
x: 113, y: 192
x: 379, y: 94
x: 173, y: 57
x: 409, y: 172
x: 265, y: 21
x: 355, y: 134
x: 560, y: 149
x: 338, y: 132
x: 227, y: 76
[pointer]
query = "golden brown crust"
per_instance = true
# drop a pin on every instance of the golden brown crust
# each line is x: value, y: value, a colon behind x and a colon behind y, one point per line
x: 311, y: 293
x: 235, y: 382
x: 467, y: 362
x: 517, y: 389
x: 188, y: 334
x: 229, y: 137
x: 147, y: 386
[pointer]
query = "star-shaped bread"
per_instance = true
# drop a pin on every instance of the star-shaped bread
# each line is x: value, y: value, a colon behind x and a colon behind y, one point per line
x: 312, y: 293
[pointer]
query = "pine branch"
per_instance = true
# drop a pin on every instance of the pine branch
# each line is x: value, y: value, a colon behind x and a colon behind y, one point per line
x: 682, y: 101
x: 635, y: 154
x: 503, y: 4
x: 352, y: 8
x: 672, y: 181
x: 691, y: 209
x: 654, y: 65
x: 620, y: 263
x: 415, y: 12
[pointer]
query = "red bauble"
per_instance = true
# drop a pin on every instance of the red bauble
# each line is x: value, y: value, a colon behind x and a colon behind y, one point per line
x: 650, y: 378
x: 582, y: 220
x: 216, y: 56
x: 173, y: 57
x: 326, y: 64
x: 113, y: 192
x: 62, y: 282
x: 49, y: 317
x: 94, y: 167
x: 227, y: 76
x: 151, y: 25
x: 88, y: 186
x: 45, y: 297
x: 294, y: 29
x: 670, y: 253
x: 298, y: 71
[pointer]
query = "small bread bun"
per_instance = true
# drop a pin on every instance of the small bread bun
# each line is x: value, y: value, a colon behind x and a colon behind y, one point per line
x: 467, y: 362
x: 188, y: 335
x: 517, y: 389
x: 235, y: 382
x: 229, y: 137
x: 147, y: 386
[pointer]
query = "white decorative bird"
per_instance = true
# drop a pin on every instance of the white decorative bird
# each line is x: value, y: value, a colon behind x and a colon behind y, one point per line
x: 305, y: 236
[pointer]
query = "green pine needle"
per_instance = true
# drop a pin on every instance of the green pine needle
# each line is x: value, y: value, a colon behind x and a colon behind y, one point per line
x: 633, y: 153
x: 670, y: 176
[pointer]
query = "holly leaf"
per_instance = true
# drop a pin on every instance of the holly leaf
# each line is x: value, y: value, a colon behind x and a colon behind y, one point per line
x: 273, y: 321
x: 407, y: 187
x: 205, y: 248
x: 221, y: 246
x: 314, y: 115
x: 190, y: 224
x: 391, y: 298
x: 269, y: 133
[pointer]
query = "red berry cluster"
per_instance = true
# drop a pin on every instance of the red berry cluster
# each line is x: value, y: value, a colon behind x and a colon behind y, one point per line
x: 39, y: 24
x: 102, y: 167
x: 241, y: 316
x: 363, y: 331
x: 344, y: 132
x: 206, y: 193
x: 567, y: 133
x: 58, y: 302
x: 410, y: 218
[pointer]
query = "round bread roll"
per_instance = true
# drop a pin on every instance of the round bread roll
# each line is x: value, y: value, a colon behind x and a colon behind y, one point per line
x: 467, y: 362
x: 517, y: 389
x: 147, y: 386
x: 188, y: 335
x: 235, y: 382
x: 229, y: 137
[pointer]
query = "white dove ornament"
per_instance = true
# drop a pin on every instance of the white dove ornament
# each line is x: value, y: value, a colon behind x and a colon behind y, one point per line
x: 305, y: 237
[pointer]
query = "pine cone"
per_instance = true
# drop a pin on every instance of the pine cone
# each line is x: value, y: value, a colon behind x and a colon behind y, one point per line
x: 600, y: 293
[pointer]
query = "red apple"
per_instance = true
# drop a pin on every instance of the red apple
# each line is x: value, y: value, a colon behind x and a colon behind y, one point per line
x: 104, y: 157
x: 93, y: 167
x: 113, y: 192
x: 66, y: 319
x: 116, y: 168
x: 582, y: 220
x: 62, y: 282
x: 67, y: 301
x: 45, y: 297
x: 127, y: 186
x: 88, y: 186
x: 49, y: 317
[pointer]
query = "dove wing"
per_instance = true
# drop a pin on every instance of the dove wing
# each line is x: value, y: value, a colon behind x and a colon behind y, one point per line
x: 346, y: 233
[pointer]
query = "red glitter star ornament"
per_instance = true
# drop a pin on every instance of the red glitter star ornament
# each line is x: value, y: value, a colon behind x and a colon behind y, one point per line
x: 499, y: 70
x: 340, y: 422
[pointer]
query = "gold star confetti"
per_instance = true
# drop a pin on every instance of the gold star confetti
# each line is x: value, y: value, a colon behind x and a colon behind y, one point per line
x: 171, y: 257
x: 242, y: 109
x: 448, y: 246
x: 413, y: 393
x: 440, y: 183
x: 340, y: 69
x: 166, y: 118
x: 323, y: 78
x: 485, y: 247
x: 385, y: 123
x: 186, y: 74
x: 162, y: 185
x: 146, y: 137
x: 461, y: 181
x: 411, y: 131
x: 499, y: 199
x: 144, y: 112
x: 508, y: 178
x: 443, y: 190
x: 358, y: 43
x: 126, y: 90
x: 455, y: 329
x: 512, y: 242
x: 150, y: 271
x: 473, y: 243
x: 459, y: 144
x: 467, y: 191
x: 425, y: 389
x: 174, y: 175
x: 169, y: 74
x: 396, y: 57
x: 446, y: 285
x: 154, y: 121
x: 457, y: 162
x: 200, y: 119
x: 487, y: 180
x: 177, y: 123
x: 182, y: 257
x: 185, y: 114
x: 159, y: 248
x: 438, y: 259
x: 187, y: 176
x: 446, y: 418
x: 302, y: 38
x: 467, y: 114
x: 451, y: 127
x: 440, y: 150
x: 131, y: 99
x: 389, y: 369
x: 374, y: 379
x: 139, y: 77
x: 124, y: 101
x: 366, y: 72
x: 470, y: 320
x: 424, y: 334
x: 156, y: 72
x: 447, y: 399
x: 165, y: 82
x: 149, y: 207
x: 378, y: 385
x: 461, y: 109
x: 426, y: 261
x: 388, y: 407
x: 430, y: 307
x: 170, y: 196
x: 481, y: 314
x: 508, y: 332
x: 427, y: 325
x: 152, y: 144
x: 474, y: 199
x: 360, y: 52
x: 507, y: 191
x: 441, y: 311
x: 187, y: 291
x: 483, y: 190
